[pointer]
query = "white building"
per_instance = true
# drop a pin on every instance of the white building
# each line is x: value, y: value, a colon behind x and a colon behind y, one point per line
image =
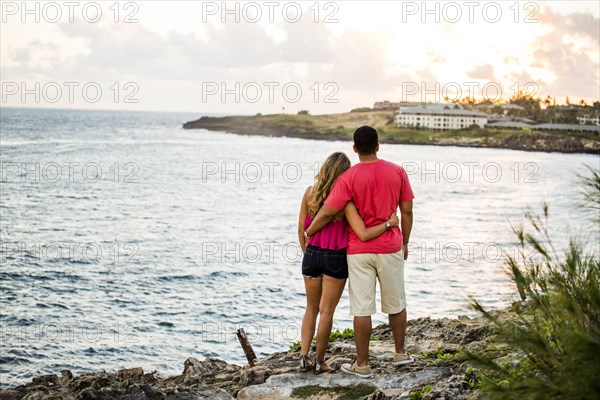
x: 439, y: 118
x: 567, y: 127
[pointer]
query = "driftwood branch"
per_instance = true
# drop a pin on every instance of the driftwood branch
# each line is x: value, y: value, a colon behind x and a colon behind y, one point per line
x: 248, y: 351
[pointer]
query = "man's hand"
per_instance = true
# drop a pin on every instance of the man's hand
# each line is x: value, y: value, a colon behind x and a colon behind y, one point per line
x: 405, y: 248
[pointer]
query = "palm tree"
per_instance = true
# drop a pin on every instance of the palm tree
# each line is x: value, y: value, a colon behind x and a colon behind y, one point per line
x: 547, y: 101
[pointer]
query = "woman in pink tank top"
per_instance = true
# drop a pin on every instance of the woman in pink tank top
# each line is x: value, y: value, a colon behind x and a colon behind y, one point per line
x: 324, y: 264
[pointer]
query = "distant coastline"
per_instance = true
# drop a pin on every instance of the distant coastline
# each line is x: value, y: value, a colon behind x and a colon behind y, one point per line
x: 341, y: 126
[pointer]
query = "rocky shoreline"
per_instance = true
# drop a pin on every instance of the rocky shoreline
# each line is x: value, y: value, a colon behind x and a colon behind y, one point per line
x: 440, y: 372
x: 339, y: 127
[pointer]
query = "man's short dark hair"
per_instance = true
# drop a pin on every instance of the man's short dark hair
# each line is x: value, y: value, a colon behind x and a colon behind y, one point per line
x: 366, y: 140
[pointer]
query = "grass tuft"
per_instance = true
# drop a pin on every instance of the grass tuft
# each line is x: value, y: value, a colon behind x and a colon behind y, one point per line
x: 353, y: 392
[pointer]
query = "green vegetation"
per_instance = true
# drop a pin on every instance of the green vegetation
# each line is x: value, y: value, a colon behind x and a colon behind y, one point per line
x: 436, y: 355
x: 566, y: 114
x: 347, y: 333
x: 551, y: 348
x: 472, y: 379
x: 418, y: 394
x: 306, y: 391
x: 354, y: 392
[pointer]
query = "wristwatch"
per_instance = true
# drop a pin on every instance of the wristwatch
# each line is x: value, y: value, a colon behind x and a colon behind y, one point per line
x: 388, y: 226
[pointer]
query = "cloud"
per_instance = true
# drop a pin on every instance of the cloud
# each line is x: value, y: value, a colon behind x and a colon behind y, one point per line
x: 359, y: 62
x: 307, y: 42
x: 436, y: 58
x: 307, y: 53
x: 482, y: 72
x: 576, y: 72
x: 511, y: 60
x: 35, y: 59
x: 427, y: 77
x: 229, y: 46
x: 585, y: 25
x: 363, y: 63
x: 225, y: 49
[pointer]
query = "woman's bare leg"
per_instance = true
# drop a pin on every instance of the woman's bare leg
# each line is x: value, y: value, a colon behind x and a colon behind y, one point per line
x: 313, y: 288
x: 331, y: 293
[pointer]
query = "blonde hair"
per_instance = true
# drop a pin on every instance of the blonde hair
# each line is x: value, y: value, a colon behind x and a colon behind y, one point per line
x: 332, y: 168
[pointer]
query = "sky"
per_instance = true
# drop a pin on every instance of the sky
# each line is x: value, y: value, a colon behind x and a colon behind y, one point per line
x: 270, y: 56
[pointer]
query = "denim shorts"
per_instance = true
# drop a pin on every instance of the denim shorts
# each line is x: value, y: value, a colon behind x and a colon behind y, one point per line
x: 318, y: 262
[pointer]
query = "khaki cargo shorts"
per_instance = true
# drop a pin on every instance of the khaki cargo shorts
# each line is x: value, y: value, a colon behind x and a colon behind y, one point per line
x: 364, y: 270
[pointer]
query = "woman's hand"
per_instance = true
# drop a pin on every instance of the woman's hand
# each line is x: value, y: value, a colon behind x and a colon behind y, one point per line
x: 394, y: 220
x: 305, y: 246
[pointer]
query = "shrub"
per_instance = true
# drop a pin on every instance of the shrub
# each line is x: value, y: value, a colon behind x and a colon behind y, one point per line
x: 556, y: 335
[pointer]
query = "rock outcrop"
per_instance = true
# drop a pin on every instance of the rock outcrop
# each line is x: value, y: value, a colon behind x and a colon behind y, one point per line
x: 439, y: 368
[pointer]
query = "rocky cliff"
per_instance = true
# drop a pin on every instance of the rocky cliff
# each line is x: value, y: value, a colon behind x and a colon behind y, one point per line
x: 440, y: 372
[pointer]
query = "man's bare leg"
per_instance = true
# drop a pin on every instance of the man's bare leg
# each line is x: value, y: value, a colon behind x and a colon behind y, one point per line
x: 398, y: 324
x: 362, y: 335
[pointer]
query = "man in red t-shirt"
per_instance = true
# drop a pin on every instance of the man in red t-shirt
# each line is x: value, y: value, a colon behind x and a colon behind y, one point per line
x: 377, y: 187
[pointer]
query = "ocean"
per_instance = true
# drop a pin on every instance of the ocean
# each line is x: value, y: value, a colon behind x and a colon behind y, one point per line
x: 128, y: 241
